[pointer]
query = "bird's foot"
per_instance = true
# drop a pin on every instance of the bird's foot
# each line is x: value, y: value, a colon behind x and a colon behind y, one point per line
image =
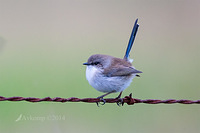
x: 120, y: 101
x: 101, y: 100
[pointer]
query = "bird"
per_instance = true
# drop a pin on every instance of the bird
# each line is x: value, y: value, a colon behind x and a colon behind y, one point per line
x: 110, y: 74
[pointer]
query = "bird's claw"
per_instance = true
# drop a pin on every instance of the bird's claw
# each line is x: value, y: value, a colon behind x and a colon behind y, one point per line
x: 101, y: 100
x: 120, y: 102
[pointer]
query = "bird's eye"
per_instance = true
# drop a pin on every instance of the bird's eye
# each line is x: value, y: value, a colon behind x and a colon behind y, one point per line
x: 95, y: 63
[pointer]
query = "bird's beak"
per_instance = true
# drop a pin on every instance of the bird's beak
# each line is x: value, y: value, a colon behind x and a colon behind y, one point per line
x: 86, y: 64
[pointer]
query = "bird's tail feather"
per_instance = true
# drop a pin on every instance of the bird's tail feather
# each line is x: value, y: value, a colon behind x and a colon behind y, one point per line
x: 131, y: 40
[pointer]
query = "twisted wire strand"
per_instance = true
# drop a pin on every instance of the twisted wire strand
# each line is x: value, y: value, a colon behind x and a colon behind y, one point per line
x: 127, y: 99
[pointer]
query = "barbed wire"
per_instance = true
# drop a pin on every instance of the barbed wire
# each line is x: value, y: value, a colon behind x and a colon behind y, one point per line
x: 127, y: 99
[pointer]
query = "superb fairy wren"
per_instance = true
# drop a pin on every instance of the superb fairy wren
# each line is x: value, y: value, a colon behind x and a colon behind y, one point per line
x: 110, y: 74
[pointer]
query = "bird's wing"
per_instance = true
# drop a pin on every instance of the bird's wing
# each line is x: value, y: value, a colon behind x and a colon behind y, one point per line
x: 121, y: 71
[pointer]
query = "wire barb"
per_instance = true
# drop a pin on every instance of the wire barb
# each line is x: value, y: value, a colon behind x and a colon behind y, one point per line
x: 127, y: 99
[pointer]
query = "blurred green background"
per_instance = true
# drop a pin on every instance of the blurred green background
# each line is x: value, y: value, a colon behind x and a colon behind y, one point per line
x: 43, y: 44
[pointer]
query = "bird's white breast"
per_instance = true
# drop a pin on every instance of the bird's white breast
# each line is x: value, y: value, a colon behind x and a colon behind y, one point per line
x: 90, y: 73
x: 106, y: 84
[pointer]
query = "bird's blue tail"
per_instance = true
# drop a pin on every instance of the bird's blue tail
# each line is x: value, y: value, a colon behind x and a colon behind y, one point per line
x: 132, y: 38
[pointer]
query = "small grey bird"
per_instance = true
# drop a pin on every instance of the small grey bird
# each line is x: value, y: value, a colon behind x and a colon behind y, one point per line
x: 109, y: 74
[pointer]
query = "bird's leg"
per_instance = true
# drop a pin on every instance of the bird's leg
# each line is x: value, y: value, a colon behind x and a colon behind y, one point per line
x: 101, y: 98
x: 120, y: 100
x: 119, y: 95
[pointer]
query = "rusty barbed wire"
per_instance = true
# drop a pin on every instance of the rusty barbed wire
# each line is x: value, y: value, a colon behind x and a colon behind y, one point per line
x: 127, y: 99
